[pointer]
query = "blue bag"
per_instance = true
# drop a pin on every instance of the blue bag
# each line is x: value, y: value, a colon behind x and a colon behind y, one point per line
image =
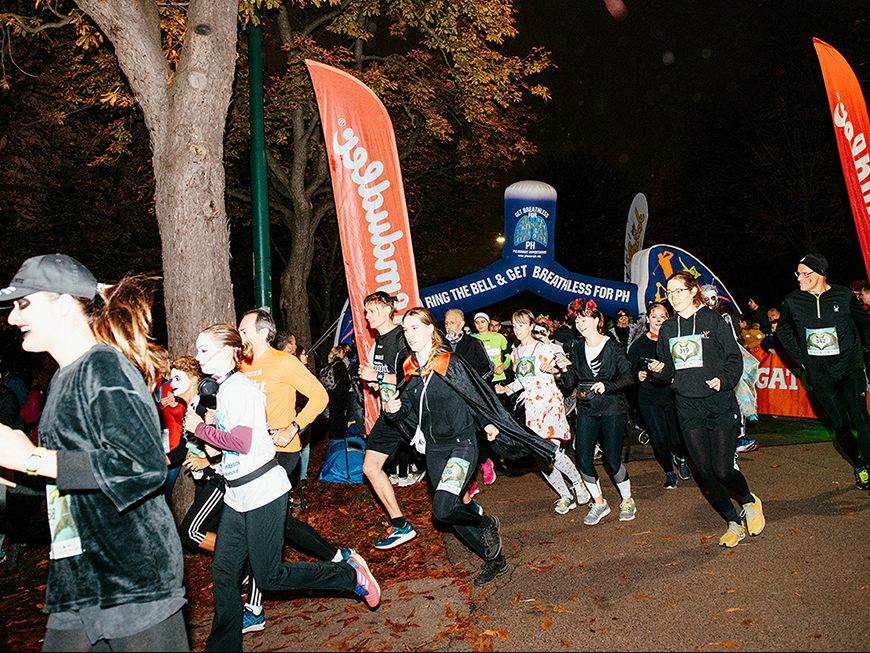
x: 344, y: 461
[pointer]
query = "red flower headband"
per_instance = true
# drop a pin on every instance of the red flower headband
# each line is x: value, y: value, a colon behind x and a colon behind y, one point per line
x: 581, y: 305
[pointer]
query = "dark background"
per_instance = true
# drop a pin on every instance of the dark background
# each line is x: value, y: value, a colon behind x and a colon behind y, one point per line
x: 716, y: 111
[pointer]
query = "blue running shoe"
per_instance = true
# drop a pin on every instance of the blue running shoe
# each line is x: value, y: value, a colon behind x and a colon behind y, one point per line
x: 253, y: 622
x: 670, y: 481
x: 396, y: 537
x: 682, y: 466
x: 745, y: 445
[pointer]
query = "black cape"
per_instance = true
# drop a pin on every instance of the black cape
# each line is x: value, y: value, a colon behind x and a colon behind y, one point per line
x: 514, y: 441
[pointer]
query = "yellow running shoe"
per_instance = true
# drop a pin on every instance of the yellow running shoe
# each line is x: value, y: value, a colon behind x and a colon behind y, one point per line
x: 754, y: 516
x: 733, y: 535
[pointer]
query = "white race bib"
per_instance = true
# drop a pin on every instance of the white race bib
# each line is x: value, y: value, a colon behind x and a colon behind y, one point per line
x: 823, y: 342
x: 687, y: 351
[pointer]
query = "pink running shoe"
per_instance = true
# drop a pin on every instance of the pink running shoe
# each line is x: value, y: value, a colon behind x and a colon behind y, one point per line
x: 488, y: 470
x: 366, y: 585
x: 474, y: 489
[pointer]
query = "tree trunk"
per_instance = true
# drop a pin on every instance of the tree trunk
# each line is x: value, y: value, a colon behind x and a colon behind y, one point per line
x: 185, y: 114
x: 294, y: 286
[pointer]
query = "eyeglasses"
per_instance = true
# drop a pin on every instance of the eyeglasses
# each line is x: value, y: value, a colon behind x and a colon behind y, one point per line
x: 803, y: 275
x: 676, y: 291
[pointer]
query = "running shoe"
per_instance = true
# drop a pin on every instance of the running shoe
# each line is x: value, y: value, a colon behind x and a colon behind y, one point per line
x: 396, y: 537
x: 862, y: 477
x: 564, y: 504
x: 490, y: 534
x: 366, y: 585
x: 627, y: 510
x: 491, y: 570
x: 476, y: 507
x: 488, y: 470
x: 253, y: 622
x: 733, y: 536
x: 754, y: 516
x: 394, y: 479
x: 682, y: 466
x: 745, y: 445
x: 670, y: 481
x: 411, y: 478
x: 474, y: 489
x: 597, y: 512
x: 582, y: 494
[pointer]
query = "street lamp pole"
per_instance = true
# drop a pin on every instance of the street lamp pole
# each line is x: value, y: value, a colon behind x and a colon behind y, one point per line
x: 259, y: 182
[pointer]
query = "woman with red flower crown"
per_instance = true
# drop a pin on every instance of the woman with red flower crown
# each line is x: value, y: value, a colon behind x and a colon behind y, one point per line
x: 601, y: 374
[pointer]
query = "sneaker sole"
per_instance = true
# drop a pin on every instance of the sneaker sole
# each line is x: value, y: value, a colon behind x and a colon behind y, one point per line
x: 398, y: 541
x: 731, y: 546
x: 600, y: 517
x: 502, y: 572
x: 567, y: 509
x: 253, y: 629
x: 626, y: 518
x: 362, y: 563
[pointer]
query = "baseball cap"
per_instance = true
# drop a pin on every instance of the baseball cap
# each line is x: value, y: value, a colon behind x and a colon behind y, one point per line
x: 479, y: 316
x: 51, y: 273
x: 817, y: 263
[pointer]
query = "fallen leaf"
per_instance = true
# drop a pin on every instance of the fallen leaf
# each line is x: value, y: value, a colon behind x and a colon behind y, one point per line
x: 723, y: 644
x: 643, y: 597
x: 775, y: 466
x: 792, y: 530
x: 746, y: 622
x: 546, y: 622
x: 706, y: 538
x: 501, y: 633
x: 733, y: 609
x: 642, y: 542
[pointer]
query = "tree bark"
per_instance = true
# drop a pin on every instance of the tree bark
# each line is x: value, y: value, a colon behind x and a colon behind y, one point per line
x: 185, y: 114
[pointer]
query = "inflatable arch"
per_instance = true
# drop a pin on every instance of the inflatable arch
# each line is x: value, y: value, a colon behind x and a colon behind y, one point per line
x: 527, y: 264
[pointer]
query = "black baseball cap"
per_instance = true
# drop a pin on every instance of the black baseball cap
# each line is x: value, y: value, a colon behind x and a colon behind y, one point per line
x: 51, y: 273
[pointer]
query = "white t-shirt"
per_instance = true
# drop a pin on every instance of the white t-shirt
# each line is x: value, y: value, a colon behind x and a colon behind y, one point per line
x: 240, y: 403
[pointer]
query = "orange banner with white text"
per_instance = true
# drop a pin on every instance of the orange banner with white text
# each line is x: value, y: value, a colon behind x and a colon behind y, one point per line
x: 369, y: 200
x: 851, y: 129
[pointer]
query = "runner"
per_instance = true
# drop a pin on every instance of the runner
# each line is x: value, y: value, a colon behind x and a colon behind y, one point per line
x: 696, y: 348
x: 819, y: 327
x: 115, y: 576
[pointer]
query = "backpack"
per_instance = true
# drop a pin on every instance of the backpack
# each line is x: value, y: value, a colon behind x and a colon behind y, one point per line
x: 327, y: 375
x: 344, y: 461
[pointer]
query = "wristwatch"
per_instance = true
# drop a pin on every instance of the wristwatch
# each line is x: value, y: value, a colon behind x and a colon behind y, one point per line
x: 35, y: 461
x: 296, y: 424
x: 380, y: 378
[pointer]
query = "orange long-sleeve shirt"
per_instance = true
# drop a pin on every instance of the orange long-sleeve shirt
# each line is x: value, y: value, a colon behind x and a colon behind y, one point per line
x: 280, y: 376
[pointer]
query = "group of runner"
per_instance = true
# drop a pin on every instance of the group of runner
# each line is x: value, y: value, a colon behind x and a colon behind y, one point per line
x: 115, y: 577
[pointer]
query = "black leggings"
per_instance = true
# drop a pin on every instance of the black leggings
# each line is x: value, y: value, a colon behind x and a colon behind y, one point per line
x: 451, y: 467
x: 845, y: 403
x: 712, y: 451
x: 661, y: 420
x: 612, y: 429
x: 168, y: 635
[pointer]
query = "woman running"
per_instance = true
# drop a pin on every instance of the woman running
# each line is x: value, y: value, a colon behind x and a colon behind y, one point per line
x: 696, y: 348
x: 534, y: 371
x: 601, y: 373
x: 255, y: 505
x: 655, y: 400
x: 442, y: 402
x: 115, y: 576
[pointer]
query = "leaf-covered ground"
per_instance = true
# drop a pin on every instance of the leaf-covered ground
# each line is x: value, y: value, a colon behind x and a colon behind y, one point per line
x: 347, y: 515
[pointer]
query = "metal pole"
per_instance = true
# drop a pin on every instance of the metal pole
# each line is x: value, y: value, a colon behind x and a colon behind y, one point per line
x: 259, y: 182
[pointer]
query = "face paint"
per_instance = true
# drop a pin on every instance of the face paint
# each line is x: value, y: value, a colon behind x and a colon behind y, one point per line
x: 179, y: 381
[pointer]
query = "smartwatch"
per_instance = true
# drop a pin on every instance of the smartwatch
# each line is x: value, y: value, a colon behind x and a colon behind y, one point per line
x: 380, y: 378
x: 35, y: 461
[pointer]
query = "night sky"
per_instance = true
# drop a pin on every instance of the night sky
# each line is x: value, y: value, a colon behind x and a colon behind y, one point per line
x: 666, y: 102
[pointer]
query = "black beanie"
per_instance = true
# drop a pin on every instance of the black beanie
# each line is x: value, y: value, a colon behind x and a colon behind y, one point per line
x: 817, y: 263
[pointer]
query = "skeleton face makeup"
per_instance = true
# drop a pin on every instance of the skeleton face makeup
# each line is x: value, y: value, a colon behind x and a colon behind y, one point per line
x: 179, y: 381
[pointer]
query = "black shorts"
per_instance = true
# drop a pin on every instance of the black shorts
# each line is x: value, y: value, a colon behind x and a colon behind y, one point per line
x: 384, y: 438
x: 718, y: 412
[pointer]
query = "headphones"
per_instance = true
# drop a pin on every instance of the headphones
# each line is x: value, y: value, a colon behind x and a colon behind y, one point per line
x: 207, y: 389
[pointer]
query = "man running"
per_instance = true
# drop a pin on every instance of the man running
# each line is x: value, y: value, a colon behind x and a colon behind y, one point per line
x: 386, y: 357
x: 819, y: 327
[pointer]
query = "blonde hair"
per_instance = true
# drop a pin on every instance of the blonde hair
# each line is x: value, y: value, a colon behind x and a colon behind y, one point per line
x: 426, y: 318
x: 339, y: 351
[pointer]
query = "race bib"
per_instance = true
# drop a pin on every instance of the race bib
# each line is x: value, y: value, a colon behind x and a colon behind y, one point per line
x: 525, y: 366
x: 65, y: 540
x: 687, y: 351
x: 454, y: 475
x: 823, y: 342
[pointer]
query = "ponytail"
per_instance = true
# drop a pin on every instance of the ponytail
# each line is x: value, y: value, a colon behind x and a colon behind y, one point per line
x: 120, y: 316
